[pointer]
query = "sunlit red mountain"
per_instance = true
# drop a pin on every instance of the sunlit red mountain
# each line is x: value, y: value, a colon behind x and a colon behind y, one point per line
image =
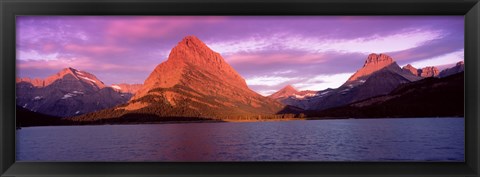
x: 193, y: 82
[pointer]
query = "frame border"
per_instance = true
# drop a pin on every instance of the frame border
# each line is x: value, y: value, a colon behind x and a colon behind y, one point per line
x: 9, y: 9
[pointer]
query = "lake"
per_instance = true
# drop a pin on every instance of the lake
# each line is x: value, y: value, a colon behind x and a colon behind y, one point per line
x: 412, y: 139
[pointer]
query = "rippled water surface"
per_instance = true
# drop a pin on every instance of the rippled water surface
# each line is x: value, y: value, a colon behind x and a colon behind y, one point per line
x: 417, y: 139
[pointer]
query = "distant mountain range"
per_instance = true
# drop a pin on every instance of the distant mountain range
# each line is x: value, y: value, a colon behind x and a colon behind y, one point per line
x: 379, y: 75
x: 430, y: 97
x: 196, y: 83
x: 70, y: 92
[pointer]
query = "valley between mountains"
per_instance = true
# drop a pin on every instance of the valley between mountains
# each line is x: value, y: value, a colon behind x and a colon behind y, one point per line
x: 195, y: 83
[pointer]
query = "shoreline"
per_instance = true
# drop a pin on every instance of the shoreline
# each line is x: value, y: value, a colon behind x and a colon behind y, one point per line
x: 235, y: 121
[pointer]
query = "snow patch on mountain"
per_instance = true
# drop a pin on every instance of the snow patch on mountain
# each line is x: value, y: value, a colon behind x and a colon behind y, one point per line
x: 68, y: 95
x: 116, y: 87
x: 86, y: 78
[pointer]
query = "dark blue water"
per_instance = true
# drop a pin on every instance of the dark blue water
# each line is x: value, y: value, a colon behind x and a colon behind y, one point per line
x: 419, y: 139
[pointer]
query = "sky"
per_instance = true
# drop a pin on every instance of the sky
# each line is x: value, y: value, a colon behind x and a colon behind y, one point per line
x: 270, y: 52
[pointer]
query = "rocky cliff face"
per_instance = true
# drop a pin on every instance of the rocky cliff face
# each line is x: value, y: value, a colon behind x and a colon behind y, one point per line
x: 67, y: 93
x: 411, y: 69
x: 194, y: 82
x: 429, y: 71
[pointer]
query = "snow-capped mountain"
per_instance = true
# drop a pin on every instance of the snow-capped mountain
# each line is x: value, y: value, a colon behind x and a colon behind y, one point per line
x: 67, y: 93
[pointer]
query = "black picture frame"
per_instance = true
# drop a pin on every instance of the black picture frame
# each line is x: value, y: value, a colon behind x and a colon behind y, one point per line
x: 9, y: 9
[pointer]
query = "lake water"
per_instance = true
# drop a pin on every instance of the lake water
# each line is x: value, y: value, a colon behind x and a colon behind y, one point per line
x: 417, y: 139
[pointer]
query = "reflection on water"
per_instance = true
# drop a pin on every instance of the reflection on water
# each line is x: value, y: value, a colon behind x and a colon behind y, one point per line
x: 426, y: 139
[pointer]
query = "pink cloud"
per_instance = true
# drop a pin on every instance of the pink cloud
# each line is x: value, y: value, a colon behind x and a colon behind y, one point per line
x: 83, y: 63
x: 48, y: 47
x: 263, y: 59
x: 94, y: 49
x: 138, y: 28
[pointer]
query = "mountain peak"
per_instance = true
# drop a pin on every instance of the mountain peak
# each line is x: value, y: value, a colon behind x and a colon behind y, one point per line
x: 68, y: 70
x: 373, y: 63
x: 76, y: 74
x: 378, y: 59
x: 284, y: 92
x: 429, y: 71
x: 191, y: 39
x: 411, y: 69
x: 192, y: 42
x: 190, y: 56
x: 192, y: 50
x: 460, y: 63
x: 289, y: 88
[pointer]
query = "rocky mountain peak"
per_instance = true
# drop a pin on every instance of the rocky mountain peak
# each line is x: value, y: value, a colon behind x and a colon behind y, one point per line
x: 460, y: 63
x: 289, y: 88
x: 192, y: 41
x: 284, y: 92
x: 190, y: 55
x: 378, y: 59
x: 75, y: 74
x: 192, y: 50
x: 411, y: 69
x: 373, y: 63
x: 429, y: 71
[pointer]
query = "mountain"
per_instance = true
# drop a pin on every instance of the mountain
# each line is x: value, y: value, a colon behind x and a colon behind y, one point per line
x: 411, y: 69
x: 430, y: 97
x: 372, y: 64
x: 459, y: 67
x: 127, y: 88
x: 430, y: 71
x: 284, y: 92
x: 194, y: 82
x: 67, y: 93
x: 379, y: 75
x: 290, y: 96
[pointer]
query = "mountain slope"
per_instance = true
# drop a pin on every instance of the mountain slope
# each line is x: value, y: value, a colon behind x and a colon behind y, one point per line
x: 194, y: 82
x: 67, y: 93
x: 430, y: 97
x: 459, y: 67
